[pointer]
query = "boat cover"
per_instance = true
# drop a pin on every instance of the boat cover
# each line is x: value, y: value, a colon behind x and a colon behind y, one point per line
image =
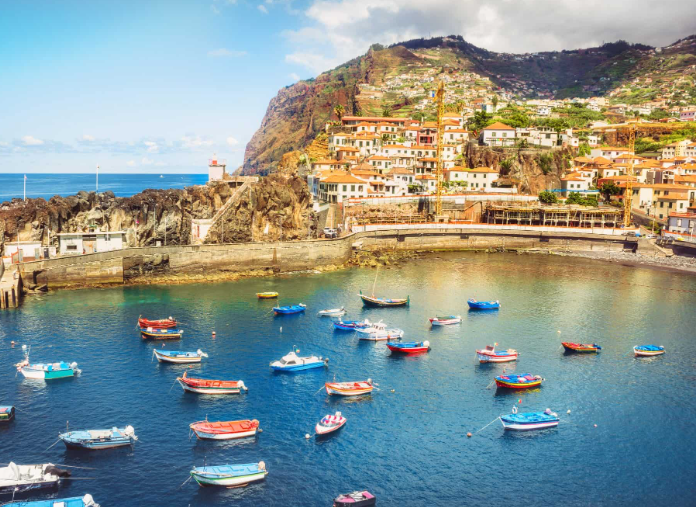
x: 529, y: 418
x: 525, y: 377
x: 650, y: 348
x: 222, y: 427
x: 229, y: 470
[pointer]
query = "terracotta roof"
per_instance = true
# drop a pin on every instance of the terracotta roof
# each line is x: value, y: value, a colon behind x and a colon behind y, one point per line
x: 451, y: 115
x: 326, y: 161
x: 342, y: 178
x: 602, y: 161
x: 611, y: 148
x: 425, y: 177
x: 583, y: 160
x: 481, y: 170
x: 572, y: 179
x: 378, y: 157
x: 399, y: 170
x: 498, y: 126
x: 347, y: 148
x: 678, y: 196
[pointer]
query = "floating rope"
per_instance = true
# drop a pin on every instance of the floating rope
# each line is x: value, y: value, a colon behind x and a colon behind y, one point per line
x: 487, y: 425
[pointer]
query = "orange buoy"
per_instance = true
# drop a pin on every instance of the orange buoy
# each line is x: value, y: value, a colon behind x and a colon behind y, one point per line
x: 468, y: 434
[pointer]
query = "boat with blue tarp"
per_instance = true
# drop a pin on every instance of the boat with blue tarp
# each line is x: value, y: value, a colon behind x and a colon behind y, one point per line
x: 46, y: 371
x: 445, y: 321
x: 293, y: 362
x: 230, y: 476
x: 290, y: 309
x: 648, y: 350
x: 351, y: 325
x: 99, y: 439
x: 75, y: 501
x: 178, y: 356
x: 529, y: 420
x: 409, y: 347
x: 483, y: 305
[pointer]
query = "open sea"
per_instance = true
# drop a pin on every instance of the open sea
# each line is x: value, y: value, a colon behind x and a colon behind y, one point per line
x: 629, y: 438
x: 123, y: 185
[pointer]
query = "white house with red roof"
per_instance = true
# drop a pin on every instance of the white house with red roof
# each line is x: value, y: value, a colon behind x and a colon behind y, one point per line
x: 497, y: 134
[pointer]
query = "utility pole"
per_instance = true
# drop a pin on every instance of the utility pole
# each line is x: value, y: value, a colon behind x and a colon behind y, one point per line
x: 97, y: 179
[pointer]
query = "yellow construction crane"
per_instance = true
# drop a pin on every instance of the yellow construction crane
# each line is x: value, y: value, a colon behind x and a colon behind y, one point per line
x: 440, y: 98
x: 628, y: 196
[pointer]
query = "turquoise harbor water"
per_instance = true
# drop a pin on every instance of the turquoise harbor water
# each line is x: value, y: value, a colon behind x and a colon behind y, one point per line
x: 406, y: 442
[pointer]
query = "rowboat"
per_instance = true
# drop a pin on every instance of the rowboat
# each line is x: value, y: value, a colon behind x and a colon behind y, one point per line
x: 154, y: 333
x: 529, y: 420
x: 334, y: 312
x: 483, y: 305
x: 581, y: 347
x: 75, y: 501
x: 289, y: 310
x: 210, y: 386
x: 523, y: 381
x: 648, y: 350
x: 445, y: 321
x: 267, y: 295
x: 329, y: 424
x: 379, y: 332
x: 224, y: 430
x: 349, y: 388
x: 490, y: 355
x: 157, y: 324
x: 179, y: 357
x: 355, y: 499
x: 409, y: 347
x: 230, y: 476
x: 17, y: 478
x: 293, y: 362
x: 383, y: 302
x: 47, y: 371
x: 7, y: 413
x: 350, y: 325
x: 99, y: 439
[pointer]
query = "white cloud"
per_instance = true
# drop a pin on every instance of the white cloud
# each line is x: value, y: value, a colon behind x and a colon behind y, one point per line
x: 130, y: 163
x: 313, y: 61
x: 87, y: 137
x: 223, y: 52
x: 294, y: 77
x: 147, y: 161
x: 232, y: 141
x: 215, y: 10
x: 31, y: 141
x: 160, y: 164
x: 262, y: 8
x: 191, y: 142
x: 152, y: 146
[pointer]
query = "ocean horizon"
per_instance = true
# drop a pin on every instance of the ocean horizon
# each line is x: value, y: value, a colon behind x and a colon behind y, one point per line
x: 47, y: 185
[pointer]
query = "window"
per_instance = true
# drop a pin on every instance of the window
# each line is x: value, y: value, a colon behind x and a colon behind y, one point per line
x: 359, y: 188
x: 345, y: 188
x: 71, y: 247
x: 352, y: 188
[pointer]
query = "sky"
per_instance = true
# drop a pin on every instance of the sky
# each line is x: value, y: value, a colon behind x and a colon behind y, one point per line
x: 152, y: 86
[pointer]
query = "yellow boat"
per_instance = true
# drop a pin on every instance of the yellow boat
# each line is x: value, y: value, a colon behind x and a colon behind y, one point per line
x: 266, y: 295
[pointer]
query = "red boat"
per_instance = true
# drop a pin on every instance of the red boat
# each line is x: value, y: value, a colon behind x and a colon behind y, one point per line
x: 210, y: 386
x: 157, y: 324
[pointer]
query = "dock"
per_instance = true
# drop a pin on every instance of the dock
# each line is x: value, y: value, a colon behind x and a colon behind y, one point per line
x: 10, y: 286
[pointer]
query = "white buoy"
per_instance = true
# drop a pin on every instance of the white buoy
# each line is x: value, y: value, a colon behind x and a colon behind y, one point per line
x: 568, y: 412
x: 281, y: 329
x: 307, y: 436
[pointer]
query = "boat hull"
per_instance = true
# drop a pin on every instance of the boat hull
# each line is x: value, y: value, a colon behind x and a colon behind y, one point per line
x: 436, y: 322
x: 299, y: 367
x: 96, y: 446
x: 485, y: 358
x: 177, y: 359
x: 225, y: 430
x: 342, y: 391
x: 647, y: 353
x: 530, y: 426
x: 224, y: 436
x: 47, y: 375
x: 267, y: 295
x: 517, y: 385
x: 150, y: 335
x: 578, y: 347
x: 20, y: 488
x: 321, y: 430
x: 157, y: 324
x: 483, y: 305
x: 407, y: 350
x: 228, y: 482
x: 210, y: 390
x: 382, y: 303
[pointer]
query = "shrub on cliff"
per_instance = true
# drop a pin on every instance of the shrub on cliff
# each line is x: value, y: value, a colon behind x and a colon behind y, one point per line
x: 548, y: 197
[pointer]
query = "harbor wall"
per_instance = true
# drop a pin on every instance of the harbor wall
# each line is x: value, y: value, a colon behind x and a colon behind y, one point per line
x: 134, y: 264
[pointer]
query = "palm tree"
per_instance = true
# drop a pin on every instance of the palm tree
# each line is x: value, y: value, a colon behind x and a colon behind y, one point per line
x: 339, y: 110
x: 386, y: 110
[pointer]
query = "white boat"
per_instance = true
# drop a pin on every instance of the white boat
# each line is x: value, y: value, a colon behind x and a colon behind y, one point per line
x: 179, y: 357
x: 17, y: 478
x: 334, y: 312
x: 329, y: 424
x: 379, y: 332
x: 648, y: 350
x: 293, y: 362
x: 47, y: 371
x: 530, y: 420
x: 445, y: 321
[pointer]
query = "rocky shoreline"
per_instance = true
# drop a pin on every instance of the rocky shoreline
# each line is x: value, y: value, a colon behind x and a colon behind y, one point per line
x: 673, y: 263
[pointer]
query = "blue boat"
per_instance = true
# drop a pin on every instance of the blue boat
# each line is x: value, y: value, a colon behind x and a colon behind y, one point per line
x: 648, y: 350
x: 529, y: 420
x: 230, y: 476
x: 99, y: 439
x: 289, y: 310
x: 293, y: 362
x: 483, y: 305
x: 76, y: 501
x: 350, y: 325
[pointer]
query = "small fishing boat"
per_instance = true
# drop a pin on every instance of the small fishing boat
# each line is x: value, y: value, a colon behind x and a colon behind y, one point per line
x: 523, y: 381
x: 355, y: 499
x: 289, y: 310
x: 581, y: 347
x: 155, y: 333
x: 7, y: 413
x: 490, y: 355
x: 529, y: 420
x: 648, y: 350
x: 210, y: 386
x: 293, y: 362
x: 379, y: 332
x: 409, y: 347
x: 349, y: 388
x: 329, y: 424
x: 47, y: 371
x: 445, y: 321
x: 157, y: 324
x: 179, y: 357
x: 99, y: 439
x: 230, y: 476
x: 224, y: 430
x: 383, y: 302
x: 483, y: 305
x: 18, y: 478
x: 351, y: 325
x: 334, y: 312
x: 267, y: 295
x: 75, y: 501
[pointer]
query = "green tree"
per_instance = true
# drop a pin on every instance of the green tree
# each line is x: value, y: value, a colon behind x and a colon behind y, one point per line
x: 584, y: 149
x: 608, y: 189
x: 480, y: 120
x: 506, y: 166
x: 339, y: 110
x: 386, y: 110
x: 494, y: 100
x: 658, y: 114
x: 418, y: 116
x: 548, y: 197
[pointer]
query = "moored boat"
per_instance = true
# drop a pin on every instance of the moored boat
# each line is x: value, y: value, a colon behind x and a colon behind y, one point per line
x: 648, y: 350
x: 225, y: 430
x: 355, y: 499
x: 409, y: 347
x: 445, y: 321
x: 157, y: 324
x: 490, y: 355
x: 17, y: 478
x: 210, y: 386
x: 483, y: 305
x: 334, y: 312
x: 99, y: 439
x: 75, y: 501
x: 349, y: 388
x: 581, y: 347
x: 179, y: 357
x: 155, y: 333
x: 377, y: 302
x: 523, y: 381
x: 267, y: 295
x: 293, y: 362
x: 47, y: 371
x: 350, y: 325
x: 529, y: 420
x: 7, y: 413
x: 379, y: 332
x: 290, y: 309
x: 329, y: 424
x: 230, y: 476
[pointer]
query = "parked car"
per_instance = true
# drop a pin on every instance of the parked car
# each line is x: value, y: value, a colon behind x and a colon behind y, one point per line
x: 330, y: 233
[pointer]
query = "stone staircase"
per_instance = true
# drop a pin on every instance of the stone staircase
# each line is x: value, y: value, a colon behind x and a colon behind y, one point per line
x: 210, y: 223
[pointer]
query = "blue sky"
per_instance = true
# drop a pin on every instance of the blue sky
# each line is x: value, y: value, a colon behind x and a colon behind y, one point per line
x: 159, y: 86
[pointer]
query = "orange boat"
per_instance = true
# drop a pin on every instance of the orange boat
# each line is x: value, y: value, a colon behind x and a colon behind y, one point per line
x: 581, y: 347
x: 225, y: 430
x: 210, y: 386
x: 349, y: 388
x: 157, y: 324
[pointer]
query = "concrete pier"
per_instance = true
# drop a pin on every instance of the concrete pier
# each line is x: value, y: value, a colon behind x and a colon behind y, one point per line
x: 10, y: 287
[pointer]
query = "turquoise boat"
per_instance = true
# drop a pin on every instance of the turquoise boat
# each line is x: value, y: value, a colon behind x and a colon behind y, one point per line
x: 230, y: 476
x: 76, y: 501
x: 47, y: 371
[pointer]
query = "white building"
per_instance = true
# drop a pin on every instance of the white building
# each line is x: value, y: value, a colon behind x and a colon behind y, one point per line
x: 216, y: 169
x: 90, y: 242
x: 29, y: 251
x: 497, y: 134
